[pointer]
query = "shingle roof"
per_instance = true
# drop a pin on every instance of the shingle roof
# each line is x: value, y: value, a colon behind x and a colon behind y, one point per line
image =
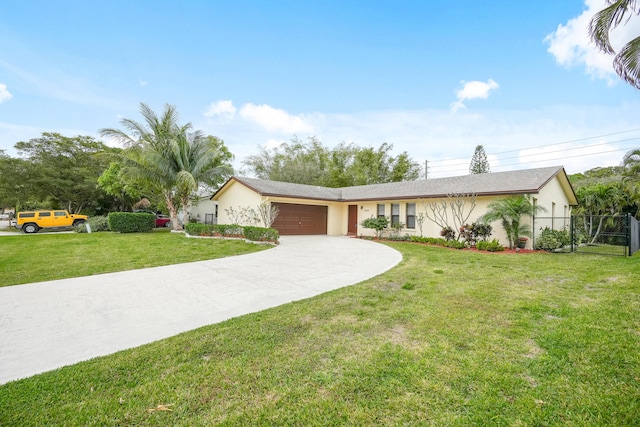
x: 496, y: 183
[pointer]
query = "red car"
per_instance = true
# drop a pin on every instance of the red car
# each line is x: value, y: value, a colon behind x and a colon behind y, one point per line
x: 161, y: 220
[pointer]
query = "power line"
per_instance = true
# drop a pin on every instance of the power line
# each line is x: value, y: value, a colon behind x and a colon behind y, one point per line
x: 552, y: 144
x: 465, y: 161
x: 544, y: 160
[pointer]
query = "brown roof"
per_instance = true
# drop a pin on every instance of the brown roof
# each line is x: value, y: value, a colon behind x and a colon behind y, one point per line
x: 497, y: 183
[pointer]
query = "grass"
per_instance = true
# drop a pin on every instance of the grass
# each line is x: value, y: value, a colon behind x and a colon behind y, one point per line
x: 446, y: 338
x: 35, y: 258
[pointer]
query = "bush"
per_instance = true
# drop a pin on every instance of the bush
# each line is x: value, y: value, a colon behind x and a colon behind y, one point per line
x: 448, y: 233
x: 491, y: 246
x: 228, y: 230
x: 474, y: 232
x: 129, y: 222
x: 260, y: 234
x: 97, y: 223
x: 256, y: 234
x: 551, y: 240
x: 195, y: 229
x: 377, y: 224
x: 438, y: 241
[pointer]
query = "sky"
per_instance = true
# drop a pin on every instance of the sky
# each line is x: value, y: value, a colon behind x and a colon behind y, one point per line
x: 435, y: 79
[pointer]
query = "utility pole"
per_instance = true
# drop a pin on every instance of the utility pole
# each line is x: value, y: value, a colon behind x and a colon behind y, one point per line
x: 426, y: 169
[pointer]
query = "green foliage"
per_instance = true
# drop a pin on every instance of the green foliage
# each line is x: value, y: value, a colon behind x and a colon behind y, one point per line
x: 438, y: 241
x: 471, y: 233
x: 260, y: 234
x: 491, y: 246
x: 376, y: 223
x: 448, y: 233
x: 129, y: 222
x: 551, y: 240
x: 56, y: 170
x: 479, y: 162
x: 168, y: 158
x: 346, y: 165
x: 256, y: 234
x: 97, y: 223
x: 509, y: 211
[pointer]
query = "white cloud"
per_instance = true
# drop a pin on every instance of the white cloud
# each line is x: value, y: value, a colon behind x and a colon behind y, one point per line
x: 142, y: 82
x: 273, y: 119
x: 571, y: 46
x: 5, y: 95
x: 221, y: 108
x: 447, y: 141
x: 473, y: 90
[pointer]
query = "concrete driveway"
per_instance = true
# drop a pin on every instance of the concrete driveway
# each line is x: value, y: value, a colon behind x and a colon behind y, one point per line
x: 47, y: 325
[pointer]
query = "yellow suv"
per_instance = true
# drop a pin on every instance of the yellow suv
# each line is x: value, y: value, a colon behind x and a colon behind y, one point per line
x: 32, y: 221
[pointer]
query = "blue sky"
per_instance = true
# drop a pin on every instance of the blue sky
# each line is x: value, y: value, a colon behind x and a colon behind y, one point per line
x: 434, y: 79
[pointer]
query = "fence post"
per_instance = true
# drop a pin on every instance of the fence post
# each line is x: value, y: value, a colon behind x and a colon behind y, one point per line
x: 572, y: 226
x: 629, y: 247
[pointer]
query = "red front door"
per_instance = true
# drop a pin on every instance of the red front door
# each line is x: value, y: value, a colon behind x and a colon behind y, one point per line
x: 352, y: 227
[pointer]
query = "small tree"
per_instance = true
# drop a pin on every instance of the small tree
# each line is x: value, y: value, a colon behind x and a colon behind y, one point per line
x: 509, y: 211
x: 377, y: 224
x: 268, y: 212
x: 479, y: 162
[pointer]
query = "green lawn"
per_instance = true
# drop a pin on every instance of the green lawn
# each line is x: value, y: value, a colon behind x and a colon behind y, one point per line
x: 40, y: 257
x: 446, y: 338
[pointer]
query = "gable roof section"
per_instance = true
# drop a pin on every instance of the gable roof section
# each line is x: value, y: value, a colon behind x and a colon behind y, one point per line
x: 528, y: 181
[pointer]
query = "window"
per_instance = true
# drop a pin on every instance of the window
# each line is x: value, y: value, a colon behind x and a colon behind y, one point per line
x: 411, y: 215
x: 395, y: 213
x: 42, y: 214
x: 381, y: 211
x: 27, y: 215
x: 59, y: 213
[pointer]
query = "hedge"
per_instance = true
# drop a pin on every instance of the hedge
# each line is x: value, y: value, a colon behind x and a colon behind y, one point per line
x: 129, y: 222
x: 256, y: 234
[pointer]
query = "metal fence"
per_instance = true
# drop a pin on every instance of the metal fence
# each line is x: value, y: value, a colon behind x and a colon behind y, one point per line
x: 592, y: 234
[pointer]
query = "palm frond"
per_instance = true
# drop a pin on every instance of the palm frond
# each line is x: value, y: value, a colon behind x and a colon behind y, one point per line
x: 627, y: 63
x: 606, y: 20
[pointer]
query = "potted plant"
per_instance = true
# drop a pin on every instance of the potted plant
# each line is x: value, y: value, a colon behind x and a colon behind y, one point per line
x: 522, y: 242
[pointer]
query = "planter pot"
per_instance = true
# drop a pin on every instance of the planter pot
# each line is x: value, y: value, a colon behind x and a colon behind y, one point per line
x: 522, y: 243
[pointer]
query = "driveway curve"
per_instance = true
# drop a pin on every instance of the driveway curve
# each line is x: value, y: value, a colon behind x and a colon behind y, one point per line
x: 46, y: 325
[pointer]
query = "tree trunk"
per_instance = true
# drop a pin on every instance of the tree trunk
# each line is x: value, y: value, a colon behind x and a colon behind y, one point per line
x: 173, y: 212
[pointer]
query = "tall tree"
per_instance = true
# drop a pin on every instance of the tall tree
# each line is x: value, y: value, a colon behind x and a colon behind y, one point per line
x: 479, y: 162
x: 627, y: 61
x: 170, y: 158
x: 63, y: 170
x: 346, y: 165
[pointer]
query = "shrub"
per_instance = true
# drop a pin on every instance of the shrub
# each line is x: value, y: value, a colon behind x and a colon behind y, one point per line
x: 129, y: 222
x: 97, y: 223
x: 196, y: 229
x: 551, y: 240
x: 256, y: 234
x: 260, y: 234
x: 448, y: 233
x: 377, y: 224
x: 228, y: 230
x: 491, y: 246
x: 474, y: 232
x: 437, y: 241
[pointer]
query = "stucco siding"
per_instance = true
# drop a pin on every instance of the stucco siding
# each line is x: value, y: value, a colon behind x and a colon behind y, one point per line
x: 237, y: 196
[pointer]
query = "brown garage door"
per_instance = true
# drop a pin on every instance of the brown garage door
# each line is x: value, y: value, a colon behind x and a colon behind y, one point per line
x: 300, y: 219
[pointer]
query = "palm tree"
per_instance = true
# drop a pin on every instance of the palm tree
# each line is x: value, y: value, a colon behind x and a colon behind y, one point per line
x: 169, y: 157
x: 509, y: 211
x: 627, y: 61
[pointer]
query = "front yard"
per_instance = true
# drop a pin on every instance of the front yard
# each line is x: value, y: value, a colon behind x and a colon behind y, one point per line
x: 445, y: 338
x: 28, y: 259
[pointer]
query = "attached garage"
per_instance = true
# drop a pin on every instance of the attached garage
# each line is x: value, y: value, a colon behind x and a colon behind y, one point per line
x: 296, y: 219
